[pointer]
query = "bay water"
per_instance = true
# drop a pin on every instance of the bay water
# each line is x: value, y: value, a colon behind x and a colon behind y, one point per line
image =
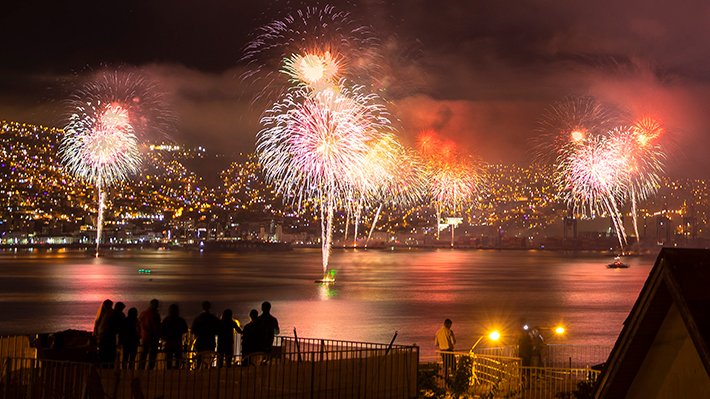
x: 377, y: 293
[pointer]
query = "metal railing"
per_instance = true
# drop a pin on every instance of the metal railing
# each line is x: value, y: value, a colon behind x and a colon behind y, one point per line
x: 563, y: 356
x: 575, y: 356
x: 303, y: 368
x: 553, y: 382
x: 505, y: 377
x: 16, y: 346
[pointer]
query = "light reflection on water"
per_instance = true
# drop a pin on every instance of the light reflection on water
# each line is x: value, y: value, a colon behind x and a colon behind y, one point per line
x: 377, y: 292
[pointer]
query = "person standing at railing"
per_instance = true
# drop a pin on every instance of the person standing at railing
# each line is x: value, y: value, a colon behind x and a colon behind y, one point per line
x: 268, y: 328
x: 525, y: 349
x: 172, y: 329
x: 445, y: 340
x: 149, y: 322
x: 101, y: 320
x: 225, y: 338
x: 107, y: 343
x: 525, y: 346
x: 250, y: 337
x: 538, y: 344
x: 129, y: 338
x: 205, y: 328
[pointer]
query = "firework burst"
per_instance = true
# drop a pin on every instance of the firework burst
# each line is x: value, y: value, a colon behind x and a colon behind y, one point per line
x: 377, y: 172
x: 107, y: 117
x: 593, y: 179
x: 313, y: 47
x: 456, y: 184
x: 644, y: 158
x: 455, y: 180
x: 316, y: 147
x: 568, y: 124
x: 319, y: 144
x: 100, y: 146
x: 405, y: 185
x: 311, y: 71
x: 145, y: 104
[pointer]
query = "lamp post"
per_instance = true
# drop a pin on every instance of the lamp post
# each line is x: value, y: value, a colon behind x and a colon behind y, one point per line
x: 559, y: 330
x: 494, y: 336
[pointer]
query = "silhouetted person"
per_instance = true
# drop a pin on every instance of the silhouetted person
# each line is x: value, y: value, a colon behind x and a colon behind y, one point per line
x: 149, y: 321
x: 525, y: 349
x: 250, y: 336
x: 538, y: 345
x: 101, y: 320
x: 107, y: 344
x: 172, y: 330
x: 205, y: 328
x: 268, y: 327
x: 225, y: 338
x: 129, y: 337
x: 445, y: 340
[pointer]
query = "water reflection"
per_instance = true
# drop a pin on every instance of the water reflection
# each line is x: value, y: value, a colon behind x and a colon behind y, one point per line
x: 326, y: 291
x: 377, y: 291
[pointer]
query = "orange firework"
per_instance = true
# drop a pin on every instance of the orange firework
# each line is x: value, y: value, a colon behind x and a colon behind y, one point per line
x: 647, y: 128
x: 448, y: 150
x: 428, y: 142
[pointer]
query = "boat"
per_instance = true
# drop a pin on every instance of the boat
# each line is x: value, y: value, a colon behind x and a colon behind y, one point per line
x: 617, y: 264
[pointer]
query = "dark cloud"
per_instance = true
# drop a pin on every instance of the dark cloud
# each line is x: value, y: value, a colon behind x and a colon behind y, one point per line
x: 479, y: 72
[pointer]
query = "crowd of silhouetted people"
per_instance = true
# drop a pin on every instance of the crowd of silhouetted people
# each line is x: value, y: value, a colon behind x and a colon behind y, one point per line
x: 213, y: 336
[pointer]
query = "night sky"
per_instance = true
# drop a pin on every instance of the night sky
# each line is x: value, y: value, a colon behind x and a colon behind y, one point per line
x: 479, y: 72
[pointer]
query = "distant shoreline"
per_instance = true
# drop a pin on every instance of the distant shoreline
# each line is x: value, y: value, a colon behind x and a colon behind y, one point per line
x: 258, y: 246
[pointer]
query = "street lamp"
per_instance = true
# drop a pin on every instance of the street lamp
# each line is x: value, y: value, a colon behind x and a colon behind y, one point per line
x: 493, y: 336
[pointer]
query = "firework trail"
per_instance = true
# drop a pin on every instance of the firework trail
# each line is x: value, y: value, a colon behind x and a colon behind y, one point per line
x: 644, y: 159
x: 393, y: 175
x: 315, y: 147
x: 578, y: 135
x: 107, y: 119
x: 101, y: 148
x: 593, y: 179
x: 407, y: 184
x: 379, y: 166
x: 312, y: 48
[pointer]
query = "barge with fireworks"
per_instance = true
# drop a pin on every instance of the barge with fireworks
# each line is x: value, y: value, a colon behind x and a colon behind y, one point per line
x: 617, y: 264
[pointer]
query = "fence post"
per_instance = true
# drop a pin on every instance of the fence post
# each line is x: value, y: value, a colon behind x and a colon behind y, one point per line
x: 32, y: 377
x: 298, y: 347
x: 391, y: 342
x: 219, y: 369
x: 313, y: 373
x: 7, y: 377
